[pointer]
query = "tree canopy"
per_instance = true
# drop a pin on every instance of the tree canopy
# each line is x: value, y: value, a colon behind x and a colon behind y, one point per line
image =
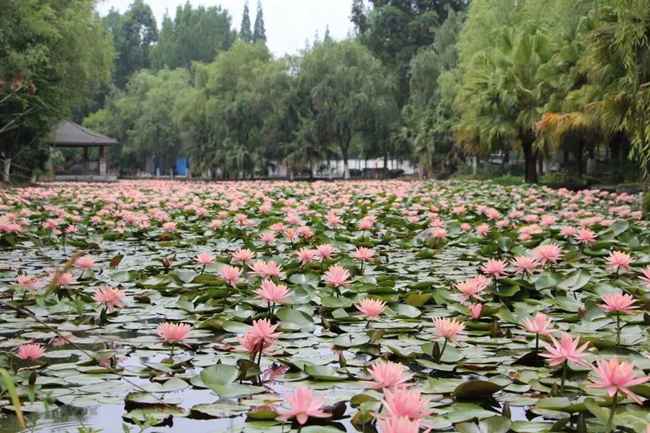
x: 436, y: 82
x: 54, y: 55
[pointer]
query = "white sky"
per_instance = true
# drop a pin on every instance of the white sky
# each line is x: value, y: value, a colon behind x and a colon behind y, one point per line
x: 289, y: 23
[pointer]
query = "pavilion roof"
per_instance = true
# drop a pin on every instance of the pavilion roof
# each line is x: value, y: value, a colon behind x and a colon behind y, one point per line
x: 70, y: 134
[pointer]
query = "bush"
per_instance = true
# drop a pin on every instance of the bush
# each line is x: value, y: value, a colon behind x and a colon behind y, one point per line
x: 508, y: 180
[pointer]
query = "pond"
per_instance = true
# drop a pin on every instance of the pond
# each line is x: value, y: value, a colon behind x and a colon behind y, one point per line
x: 221, y: 307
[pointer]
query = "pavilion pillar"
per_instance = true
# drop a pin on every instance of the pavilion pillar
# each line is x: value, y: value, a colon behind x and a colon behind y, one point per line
x: 86, y: 159
x: 102, y: 161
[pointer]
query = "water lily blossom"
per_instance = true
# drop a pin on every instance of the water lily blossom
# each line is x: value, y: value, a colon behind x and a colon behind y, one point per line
x: 204, y: 258
x: 447, y: 328
x: 547, y: 253
x: 371, y: 308
x: 110, y: 297
x: 405, y: 402
x: 567, y: 349
x: 230, y: 274
x: 525, y: 264
x: 259, y: 338
x: 306, y: 256
x: 494, y: 268
x: 616, y: 376
x: 303, y: 405
x: 363, y: 254
x: 172, y: 333
x: 272, y: 293
x: 473, y: 287
x: 398, y: 425
x: 619, y: 261
x: 336, y: 276
x: 539, y: 324
x: 386, y: 374
x: 30, y: 352
x: 475, y: 311
x: 85, y: 263
x: 618, y: 303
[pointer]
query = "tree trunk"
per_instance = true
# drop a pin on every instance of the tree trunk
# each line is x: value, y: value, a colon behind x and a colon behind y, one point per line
x: 6, y: 170
x: 385, y: 174
x: 540, y: 164
x: 346, y: 168
x: 530, y: 158
x: 580, y: 159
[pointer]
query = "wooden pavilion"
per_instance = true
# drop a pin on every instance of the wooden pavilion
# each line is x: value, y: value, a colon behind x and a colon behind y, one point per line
x: 69, y: 135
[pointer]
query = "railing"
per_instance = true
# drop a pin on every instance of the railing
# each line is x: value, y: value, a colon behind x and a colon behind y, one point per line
x: 18, y: 174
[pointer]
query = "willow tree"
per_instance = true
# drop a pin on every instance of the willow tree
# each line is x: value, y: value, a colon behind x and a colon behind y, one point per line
x: 345, y: 84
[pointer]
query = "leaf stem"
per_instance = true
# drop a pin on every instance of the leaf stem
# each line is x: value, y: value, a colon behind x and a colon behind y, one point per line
x: 610, y: 421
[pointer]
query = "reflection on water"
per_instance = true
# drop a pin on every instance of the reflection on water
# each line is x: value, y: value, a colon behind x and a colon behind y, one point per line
x: 108, y: 419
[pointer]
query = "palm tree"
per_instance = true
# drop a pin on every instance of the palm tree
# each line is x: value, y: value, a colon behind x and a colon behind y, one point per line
x: 504, y: 93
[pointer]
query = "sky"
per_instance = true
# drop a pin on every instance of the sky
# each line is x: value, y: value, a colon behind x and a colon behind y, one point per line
x: 289, y: 23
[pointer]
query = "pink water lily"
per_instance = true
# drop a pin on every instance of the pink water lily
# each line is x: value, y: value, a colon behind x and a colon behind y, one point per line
x: 272, y: 293
x: 475, y: 311
x: 371, y: 308
x: 386, y: 374
x: 260, y: 337
x: 618, y: 261
x: 269, y: 269
x: 548, y: 253
x: 230, y: 274
x: 336, y: 276
x: 539, y: 324
x: 325, y: 251
x: 525, y: 264
x: 363, y: 254
x: 30, y: 352
x: 448, y: 328
x: 399, y: 425
x: 303, y: 405
x: 567, y: 349
x: 494, y: 268
x: 405, y: 402
x: 306, y: 256
x: 173, y: 332
x: 85, y: 262
x: 204, y: 258
x: 110, y: 297
x: 616, y: 376
x: 618, y: 303
x: 473, y: 287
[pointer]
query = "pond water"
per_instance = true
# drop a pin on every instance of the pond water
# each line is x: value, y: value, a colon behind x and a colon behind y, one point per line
x: 110, y: 371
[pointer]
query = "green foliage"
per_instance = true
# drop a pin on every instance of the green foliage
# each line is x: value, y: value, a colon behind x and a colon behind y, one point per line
x: 54, y: 54
x: 143, y: 118
x: 348, y: 94
x: 245, y: 32
x: 134, y: 34
x: 646, y: 205
x: 259, y: 29
x: 508, y: 83
x: 193, y: 35
x: 394, y: 31
x: 429, y: 115
x: 508, y: 180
